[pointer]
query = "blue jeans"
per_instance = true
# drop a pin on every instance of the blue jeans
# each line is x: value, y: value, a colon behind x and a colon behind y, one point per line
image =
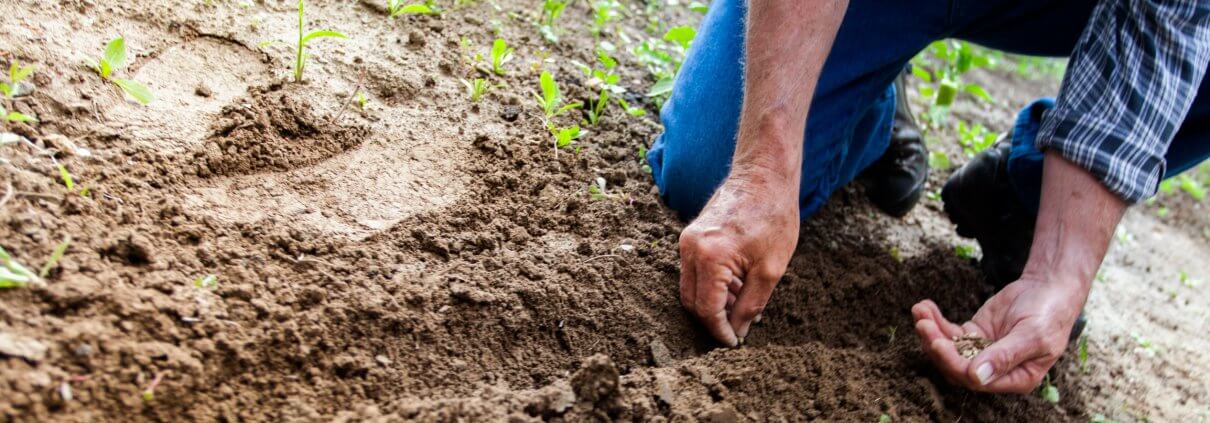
x: 849, y: 125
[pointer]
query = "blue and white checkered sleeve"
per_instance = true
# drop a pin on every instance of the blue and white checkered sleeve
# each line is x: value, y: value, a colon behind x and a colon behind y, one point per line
x: 1130, y: 83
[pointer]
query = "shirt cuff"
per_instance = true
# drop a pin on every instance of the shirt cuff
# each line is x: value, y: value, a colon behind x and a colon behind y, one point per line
x: 1127, y: 167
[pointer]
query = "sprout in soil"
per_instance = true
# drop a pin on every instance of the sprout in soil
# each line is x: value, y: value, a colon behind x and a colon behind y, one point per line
x: 596, y: 190
x: 1082, y: 353
x: 16, y: 74
x: 1049, y: 392
x: 69, y: 182
x: 14, y: 274
x: 565, y: 136
x: 10, y: 116
x: 608, y: 82
x: 115, y: 59
x: 55, y: 256
x: 300, y: 57
x: 551, y: 10
x: 604, y: 11
x: 633, y: 111
x: 397, y: 7
x: 551, y: 100
x: 965, y: 251
x: 206, y: 282
x: 476, y: 88
x: 501, y: 54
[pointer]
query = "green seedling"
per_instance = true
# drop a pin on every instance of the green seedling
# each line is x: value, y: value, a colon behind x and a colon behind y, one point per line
x: 633, y: 111
x: 975, y: 138
x: 1188, y: 281
x: 941, y: 67
x: 13, y: 274
x: 148, y: 394
x: 362, y: 100
x: 643, y: 160
x: 603, y: 12
x: 55, y: 256
x: 12, y: 116
x: 1145, y: 345
x: 1049, y: 392
x: 566, y: 135
x: 608, y: 82
x: 699, y: 7
x: 476, y: 88
x: 300, y: 56
x: 596, y: 190
x: 397, y: 7
x: 938, y: 160
x: 884, y: 419
x: 965, y: 251
x: 681, y: 35
x: 1082, y: 353
x: 551, y: 100
x: 501, y: 54
x: 115, y: 59
x: 1193, y: 187
x: 16, y: 74
x: 551, y: 10
x: 206, y: 282
x: 890, y: 334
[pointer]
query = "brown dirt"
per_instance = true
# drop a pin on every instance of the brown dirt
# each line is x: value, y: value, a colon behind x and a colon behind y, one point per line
x: 425, y: 258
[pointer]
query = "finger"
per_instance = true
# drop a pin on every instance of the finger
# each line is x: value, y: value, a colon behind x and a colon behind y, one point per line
x: 736, y: 286
x: 998, y: 368
x: 944, y: 355
x: 757, y: 289
x: 730, y: 301
x: 710, y: 303
x: 688, y: 282
x: 927, y: 309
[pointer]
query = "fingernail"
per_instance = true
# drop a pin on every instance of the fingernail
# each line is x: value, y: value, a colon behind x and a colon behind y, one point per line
x: 984, y: 373
x: 757, y: 318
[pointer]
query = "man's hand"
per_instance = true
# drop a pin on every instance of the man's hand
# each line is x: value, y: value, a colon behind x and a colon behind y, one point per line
x: 735, y: 252
x: 1029, y: 321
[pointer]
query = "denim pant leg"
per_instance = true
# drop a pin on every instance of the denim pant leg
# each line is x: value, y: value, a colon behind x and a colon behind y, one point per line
x: 1189, y: 147
x: 849, y: 123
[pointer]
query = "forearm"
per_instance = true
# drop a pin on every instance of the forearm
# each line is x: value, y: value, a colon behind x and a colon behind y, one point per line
x: 1076, y: 221
x: 787, y: 44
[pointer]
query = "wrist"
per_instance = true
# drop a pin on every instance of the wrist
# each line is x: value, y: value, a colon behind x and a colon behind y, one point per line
x: 768, y: 150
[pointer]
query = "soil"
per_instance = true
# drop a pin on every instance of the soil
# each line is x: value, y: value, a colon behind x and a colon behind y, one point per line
x: 427, y: 258
x: 970, y: 345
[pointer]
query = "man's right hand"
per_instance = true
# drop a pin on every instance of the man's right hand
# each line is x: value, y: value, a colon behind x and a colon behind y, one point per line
x: 734, y: 253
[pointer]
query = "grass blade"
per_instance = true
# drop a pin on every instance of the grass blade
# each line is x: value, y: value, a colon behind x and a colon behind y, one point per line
x: 138, y: 91
x: 55, y: 256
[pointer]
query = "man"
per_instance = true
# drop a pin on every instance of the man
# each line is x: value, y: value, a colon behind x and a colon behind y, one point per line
x: 819, y: 108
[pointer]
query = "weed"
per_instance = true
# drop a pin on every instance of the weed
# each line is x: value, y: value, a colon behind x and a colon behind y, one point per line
x: 551, y: 100
x: 115, y: 59
x: 300, y: 57
x: 608, y: 82
x: 565, y: 135
x: 603, y: 12
x: 1082, y: 353
x: 397, y: 7
x: 13, y: 274
x: 501, y: 54
x: 1048, y: 392
x: 206, y: 282
x: 476, y: 88
x: 55, y: 256
x: 975, y: 138
x: 633, y: 111
x: 551, y: 10
x: 965, y: 251
x: 16, y: 74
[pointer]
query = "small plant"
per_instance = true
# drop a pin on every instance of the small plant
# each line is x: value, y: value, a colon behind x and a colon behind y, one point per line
x: 596, y: 190
x: 1082, y: 353
x: 16, y: 74
x: 566, y: 135
x: 397, y: 7
x: 1145, y: 346
x: 206, y: 282
x: 476, y: 88
x: 884, y: 419
x: 975, y: 138
x: 501, y: 54
x: 643, y: 160
x: 938, y: 160
x: 55, y: 256
x: 551, y: 100
x: 603, y: 12
x: 890, y: 332
x: 1188, y: 281
x: 13, y: 274
x: 965, y: 251
x: 1193, y: 187
x: 633, y: 111
x: 681, y: 35
x: 69, y: 182
x: 1049, y: 392
x: 148, y: 394
x: 13, y: 116
x: 551, y: 10
x: 362, y: 100
x: 300, y: 57
x: 608, y: 82
x: 115, y: 59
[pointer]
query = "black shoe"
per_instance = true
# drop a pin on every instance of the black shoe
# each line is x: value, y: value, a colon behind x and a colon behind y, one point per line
x: 895, y: 182
x: 980, y: 200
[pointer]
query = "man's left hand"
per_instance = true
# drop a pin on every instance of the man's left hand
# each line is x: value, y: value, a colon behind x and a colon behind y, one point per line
x: 1028, y: 322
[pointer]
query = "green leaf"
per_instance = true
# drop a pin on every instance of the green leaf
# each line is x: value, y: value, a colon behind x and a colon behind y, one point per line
x: 661, y: 87
x: 978, y: 91
x: 115, y: 55
x: 66, y: 177
x: 104, y: 68
x: 698, y: 7
x: 938, y: 160
x: 946, y: 92
x: 1192, y: 187
x: 884, y: 419
x: 136, y: 90
x: 1050, y: 393
x: 922, y: 74
x: 965, y: 251
x: 17, y: 73
x: 1082, y: 349
x: 550, y: 91
x: 55, y: 256
x: 682, y: 35
x: 7, y: 89
x: 323, y: 33
x: 19, y: 117
x: 413, y: 9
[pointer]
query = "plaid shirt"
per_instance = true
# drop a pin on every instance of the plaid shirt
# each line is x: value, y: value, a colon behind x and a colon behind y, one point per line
x: 1130, y: 83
